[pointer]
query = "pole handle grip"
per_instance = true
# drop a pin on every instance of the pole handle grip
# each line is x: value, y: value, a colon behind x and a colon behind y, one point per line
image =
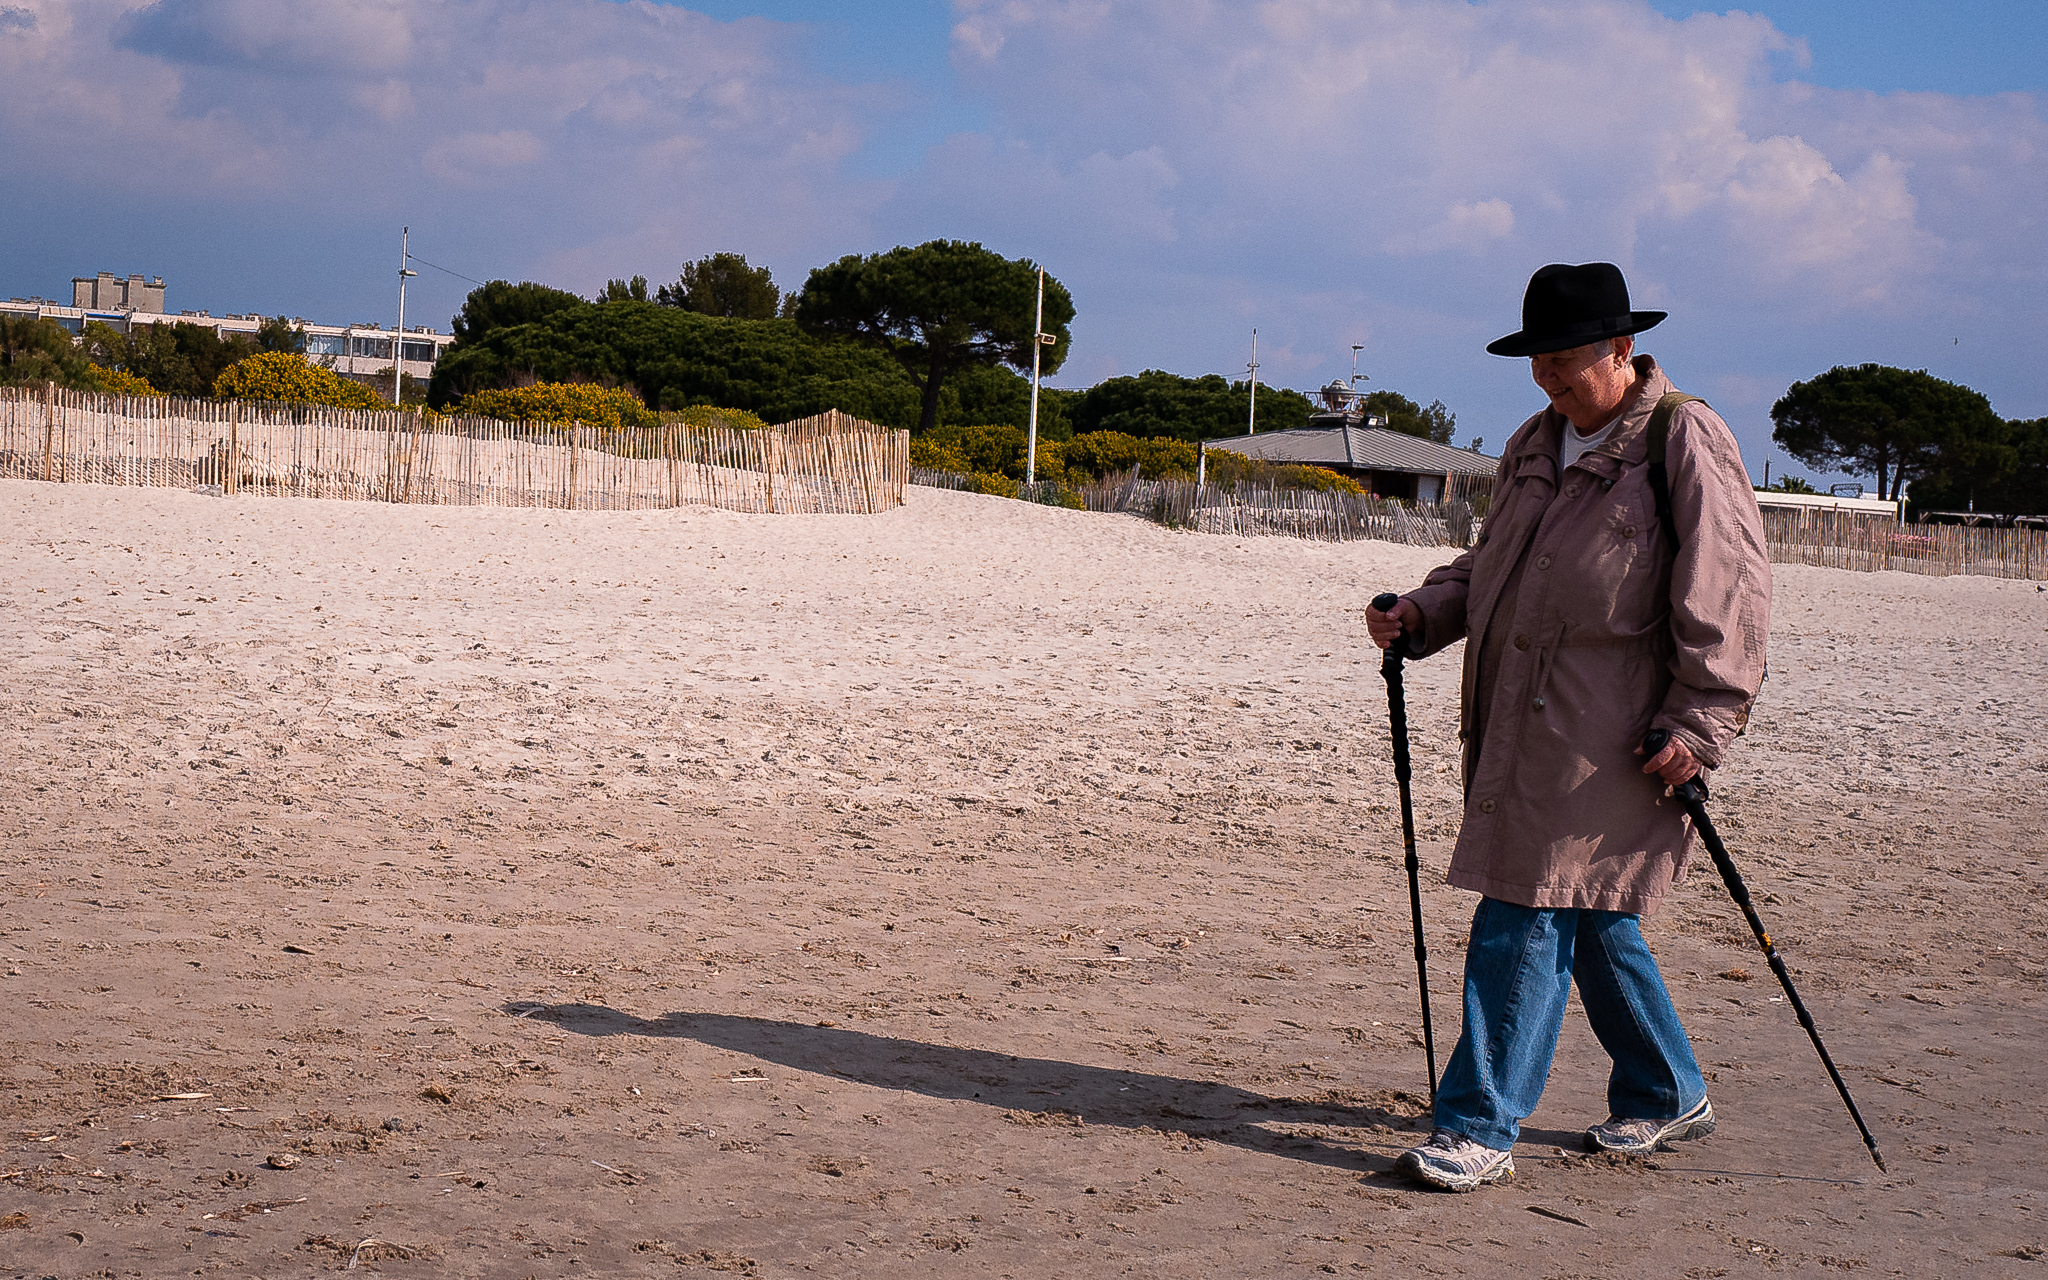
x: 1387, y: 602
x: 1693, y: 788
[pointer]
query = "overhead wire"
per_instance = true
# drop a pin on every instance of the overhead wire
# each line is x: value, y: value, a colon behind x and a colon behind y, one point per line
x: 413, y: 257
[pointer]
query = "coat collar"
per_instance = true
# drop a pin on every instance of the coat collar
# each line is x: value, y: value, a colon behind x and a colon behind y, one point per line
x: 1626, y: 446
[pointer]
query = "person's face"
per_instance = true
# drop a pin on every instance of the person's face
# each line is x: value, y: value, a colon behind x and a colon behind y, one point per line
x: 1586, y: 384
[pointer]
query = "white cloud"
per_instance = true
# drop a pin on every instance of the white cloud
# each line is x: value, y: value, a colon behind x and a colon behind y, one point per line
x: 974, y: 188
x: 1398, y: 167
x: 331, y: 37
x: 470, y: 159
x: 530, y: 128
x: 1385, y: 171
x: 1554, y: 130
x: 1469, y: 224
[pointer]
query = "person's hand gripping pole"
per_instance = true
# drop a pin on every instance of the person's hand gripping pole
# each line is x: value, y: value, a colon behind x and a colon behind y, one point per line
x: 1389, y: 606
x: 1692, y: 793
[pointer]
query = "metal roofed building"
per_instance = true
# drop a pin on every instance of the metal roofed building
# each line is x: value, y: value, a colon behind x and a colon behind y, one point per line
x: 1392, y: 464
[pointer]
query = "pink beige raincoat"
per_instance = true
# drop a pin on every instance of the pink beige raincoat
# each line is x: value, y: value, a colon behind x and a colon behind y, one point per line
x: 1586, y: 632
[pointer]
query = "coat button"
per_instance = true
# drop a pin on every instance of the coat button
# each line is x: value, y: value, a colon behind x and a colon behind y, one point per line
x: 1521, y: 642
x: 1538, y: 704
x: 1628, y: 531
x: 1486, y: 806
x: 1571, y: 491
x: 1543, y: 562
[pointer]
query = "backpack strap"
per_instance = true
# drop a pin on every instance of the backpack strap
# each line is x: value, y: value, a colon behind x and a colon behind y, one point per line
x: 1660, y: 479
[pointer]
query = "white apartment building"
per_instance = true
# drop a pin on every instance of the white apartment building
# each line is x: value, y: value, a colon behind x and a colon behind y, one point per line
x: 356, y: 350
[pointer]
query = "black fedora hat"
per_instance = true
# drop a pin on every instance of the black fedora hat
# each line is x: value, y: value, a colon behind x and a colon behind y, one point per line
x: 1570, y: 306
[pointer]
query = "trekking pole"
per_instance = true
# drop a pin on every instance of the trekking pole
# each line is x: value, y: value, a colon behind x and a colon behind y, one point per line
x: 1693, y: 794
x: 1397, y: 717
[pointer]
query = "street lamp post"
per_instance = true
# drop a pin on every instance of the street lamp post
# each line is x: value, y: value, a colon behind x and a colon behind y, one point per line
x: 1039, y: 340
x: 1251, y: 426
x: 398, y: 342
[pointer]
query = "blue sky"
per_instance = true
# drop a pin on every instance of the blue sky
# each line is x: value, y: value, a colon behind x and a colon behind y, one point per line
x: 1917, y: 46
x: 1801, y: 183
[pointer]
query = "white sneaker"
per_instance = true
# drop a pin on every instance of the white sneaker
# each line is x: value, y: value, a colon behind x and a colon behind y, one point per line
x: 1641, y: 1137
x: 1455, y: 1162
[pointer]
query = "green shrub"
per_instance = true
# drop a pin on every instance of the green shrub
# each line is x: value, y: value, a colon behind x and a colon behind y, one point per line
x: 178, y: 359
x: 36, y: 350
x: 1157, y: 403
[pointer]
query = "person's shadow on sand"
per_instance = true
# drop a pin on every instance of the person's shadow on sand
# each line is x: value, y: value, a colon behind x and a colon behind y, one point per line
x: 1042, y: 1089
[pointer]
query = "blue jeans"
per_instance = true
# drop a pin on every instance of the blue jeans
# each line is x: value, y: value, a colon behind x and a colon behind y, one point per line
x: 1518, y: 969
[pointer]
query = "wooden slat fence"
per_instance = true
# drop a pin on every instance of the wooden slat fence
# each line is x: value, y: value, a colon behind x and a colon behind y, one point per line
x: 1849, y: 540
x: 1269, y: 511
x: 1834, y: 539
x: 832, y: 463
x: 932, y: 479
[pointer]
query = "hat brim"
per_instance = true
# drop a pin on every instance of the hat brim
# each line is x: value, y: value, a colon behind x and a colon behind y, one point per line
x: 1578, y: 335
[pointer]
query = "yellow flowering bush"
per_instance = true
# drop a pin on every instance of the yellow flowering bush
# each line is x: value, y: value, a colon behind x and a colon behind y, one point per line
x: 593, y: 406
x: 1321, y: 479
x: 933, y: 455
x: 120, y: 382
x: 1105, y: 453
x: 289, y: 376
x: 991, y: 461
x: 1228, y: 468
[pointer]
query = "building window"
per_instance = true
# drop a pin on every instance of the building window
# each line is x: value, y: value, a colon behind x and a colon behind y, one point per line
x: 326, y: 344
x: 422, y: 351
x: 373, y: 348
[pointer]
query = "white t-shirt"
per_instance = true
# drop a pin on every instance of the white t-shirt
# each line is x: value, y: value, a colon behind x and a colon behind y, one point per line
x: 1573, y: 446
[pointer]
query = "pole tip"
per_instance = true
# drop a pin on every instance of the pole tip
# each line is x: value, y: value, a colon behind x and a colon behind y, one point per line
x: 1386, y: 602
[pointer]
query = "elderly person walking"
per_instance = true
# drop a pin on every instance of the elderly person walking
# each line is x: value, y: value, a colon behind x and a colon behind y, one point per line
x: 1620, y: 586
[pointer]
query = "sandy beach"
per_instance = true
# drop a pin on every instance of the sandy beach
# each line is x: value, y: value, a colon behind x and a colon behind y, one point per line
x: 979, y: 889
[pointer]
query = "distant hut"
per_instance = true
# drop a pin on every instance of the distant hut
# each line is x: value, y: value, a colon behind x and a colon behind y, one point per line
x: 1391, y: 464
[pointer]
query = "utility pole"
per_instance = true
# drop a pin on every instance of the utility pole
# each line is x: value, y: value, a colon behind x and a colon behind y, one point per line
x: 1252, y: 425
x: 398, y: 342
x: 1039, y: 340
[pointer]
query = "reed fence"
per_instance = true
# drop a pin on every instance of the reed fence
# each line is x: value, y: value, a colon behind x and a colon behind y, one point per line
x: 831, y: 463
x: 1834, y: 539
x: 1248, y: 510
x: 1850, y: 540
x: 929, y: 478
